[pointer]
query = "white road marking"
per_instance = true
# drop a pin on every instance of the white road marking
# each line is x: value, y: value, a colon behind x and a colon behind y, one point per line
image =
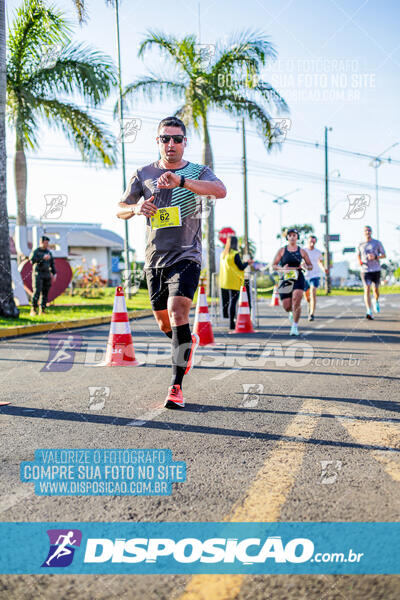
x: 21, y: 493
x: 225, y: 374
x: 149, y: 416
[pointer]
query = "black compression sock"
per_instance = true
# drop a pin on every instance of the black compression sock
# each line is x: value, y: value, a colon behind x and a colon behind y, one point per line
x: 181, y: 344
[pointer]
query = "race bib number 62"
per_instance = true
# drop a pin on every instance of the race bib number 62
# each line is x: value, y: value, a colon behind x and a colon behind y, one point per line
x: 170, y: 216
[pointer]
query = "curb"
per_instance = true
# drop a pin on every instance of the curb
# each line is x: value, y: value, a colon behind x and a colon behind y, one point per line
x: 57, y: 326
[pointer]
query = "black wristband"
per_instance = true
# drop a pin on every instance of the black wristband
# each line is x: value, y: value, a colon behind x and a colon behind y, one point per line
x: 182, y: 183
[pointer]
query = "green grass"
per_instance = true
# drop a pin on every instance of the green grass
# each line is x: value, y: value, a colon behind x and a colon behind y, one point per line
x: 68, y: 308
x: 389, y: 289
x: 384, y: 289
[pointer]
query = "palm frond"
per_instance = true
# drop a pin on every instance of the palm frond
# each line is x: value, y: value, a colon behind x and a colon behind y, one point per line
x: 86, y: 133
x: 241, y: 106
x: 270, y: 94
x: 244, y: 56
x: 151, y: 86
x: 189, y: 116
x: 80, y: 9
x: 35, y: 28
x: 77, y: 69
x: 181, y: 51
x: 21, y: 118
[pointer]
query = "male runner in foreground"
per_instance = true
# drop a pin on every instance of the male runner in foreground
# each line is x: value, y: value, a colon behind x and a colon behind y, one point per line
x: 165, y: 193
x: 369, y: 254
x: 313, y: 277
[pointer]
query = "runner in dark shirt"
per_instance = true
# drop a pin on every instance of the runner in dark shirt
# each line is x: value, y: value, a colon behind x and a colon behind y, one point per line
x: 289, y: 262
x: 168, y: 193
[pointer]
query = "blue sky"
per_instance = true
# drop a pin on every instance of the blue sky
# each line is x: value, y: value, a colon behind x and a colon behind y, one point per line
x: 338, y: 65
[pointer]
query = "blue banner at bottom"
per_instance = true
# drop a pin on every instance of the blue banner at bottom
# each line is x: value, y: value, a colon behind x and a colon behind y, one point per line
x: 190, y: 548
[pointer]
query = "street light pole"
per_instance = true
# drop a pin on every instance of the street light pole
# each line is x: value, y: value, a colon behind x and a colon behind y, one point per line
x: 376, y: 197
x: 122, y: 138
x: 260, y: 234
x: 280, y: 200
x: 246, y: 222
x: 327, y: 262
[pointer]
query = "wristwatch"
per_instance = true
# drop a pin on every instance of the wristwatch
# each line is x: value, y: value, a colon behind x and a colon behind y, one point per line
x: 182, y: 183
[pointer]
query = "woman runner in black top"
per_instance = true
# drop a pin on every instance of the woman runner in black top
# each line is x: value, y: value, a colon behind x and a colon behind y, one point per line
x: 288, y: 261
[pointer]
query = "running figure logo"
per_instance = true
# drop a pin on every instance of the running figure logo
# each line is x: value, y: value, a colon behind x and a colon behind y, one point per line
x: 63, y: 543
x: 98, y: 397
x: 55, y: 204
x: 62, y: 351
x: 251, y: 393
x: 358, y: 204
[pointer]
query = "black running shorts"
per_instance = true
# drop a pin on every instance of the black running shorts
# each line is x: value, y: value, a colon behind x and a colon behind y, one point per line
x: 287, y: 287
x: 371, y: 277
x: 179, y: 279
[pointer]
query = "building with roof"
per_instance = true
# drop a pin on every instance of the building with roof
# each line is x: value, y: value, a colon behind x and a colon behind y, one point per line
x: 87, y: 243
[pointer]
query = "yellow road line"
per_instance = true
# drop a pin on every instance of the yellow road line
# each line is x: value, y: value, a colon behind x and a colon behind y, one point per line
x: 377, y: 433
x: 263, y: 501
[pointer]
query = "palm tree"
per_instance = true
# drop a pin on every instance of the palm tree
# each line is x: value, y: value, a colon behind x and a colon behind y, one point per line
x: 228, y: 81
x: 80, y: 6
x: 42, y: 65
x: 7, y: 305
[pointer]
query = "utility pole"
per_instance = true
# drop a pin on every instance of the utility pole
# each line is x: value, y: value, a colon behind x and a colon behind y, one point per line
x: 199, y: 20
x: 122, y: 138
x: 327, y: 262
x: 246, y: 222
x: 376, y: 163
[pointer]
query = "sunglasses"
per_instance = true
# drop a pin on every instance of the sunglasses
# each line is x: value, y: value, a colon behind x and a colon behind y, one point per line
x: 178, y: 139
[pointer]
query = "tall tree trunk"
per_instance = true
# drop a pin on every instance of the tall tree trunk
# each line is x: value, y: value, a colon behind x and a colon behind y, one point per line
x: 20, y: 174
x: 7, y: 305
x: 207, y: 159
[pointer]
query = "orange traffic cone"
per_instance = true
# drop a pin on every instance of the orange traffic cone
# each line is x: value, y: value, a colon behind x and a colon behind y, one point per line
x: 202, y: 322
x: 243, y: 322
x: 275, y: 297
x: 120, y: 351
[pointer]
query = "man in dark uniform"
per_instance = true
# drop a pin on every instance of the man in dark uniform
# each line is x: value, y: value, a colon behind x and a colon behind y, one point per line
x: 43, y: 274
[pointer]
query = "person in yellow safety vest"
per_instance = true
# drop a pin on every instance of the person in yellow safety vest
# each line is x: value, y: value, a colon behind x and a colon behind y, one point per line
x: 231, y: 278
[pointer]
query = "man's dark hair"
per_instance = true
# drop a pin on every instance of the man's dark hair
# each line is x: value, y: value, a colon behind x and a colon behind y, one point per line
x: 44, y: 238
x: 314, y: 237
x: 172, y: 122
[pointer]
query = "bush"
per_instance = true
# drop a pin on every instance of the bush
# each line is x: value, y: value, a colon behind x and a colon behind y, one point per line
x: 87, y: 281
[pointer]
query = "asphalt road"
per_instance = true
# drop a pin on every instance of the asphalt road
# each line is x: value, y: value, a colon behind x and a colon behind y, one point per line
x: 275, y: 429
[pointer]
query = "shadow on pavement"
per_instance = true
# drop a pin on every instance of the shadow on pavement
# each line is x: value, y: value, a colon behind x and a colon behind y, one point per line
x: 59, y: 415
